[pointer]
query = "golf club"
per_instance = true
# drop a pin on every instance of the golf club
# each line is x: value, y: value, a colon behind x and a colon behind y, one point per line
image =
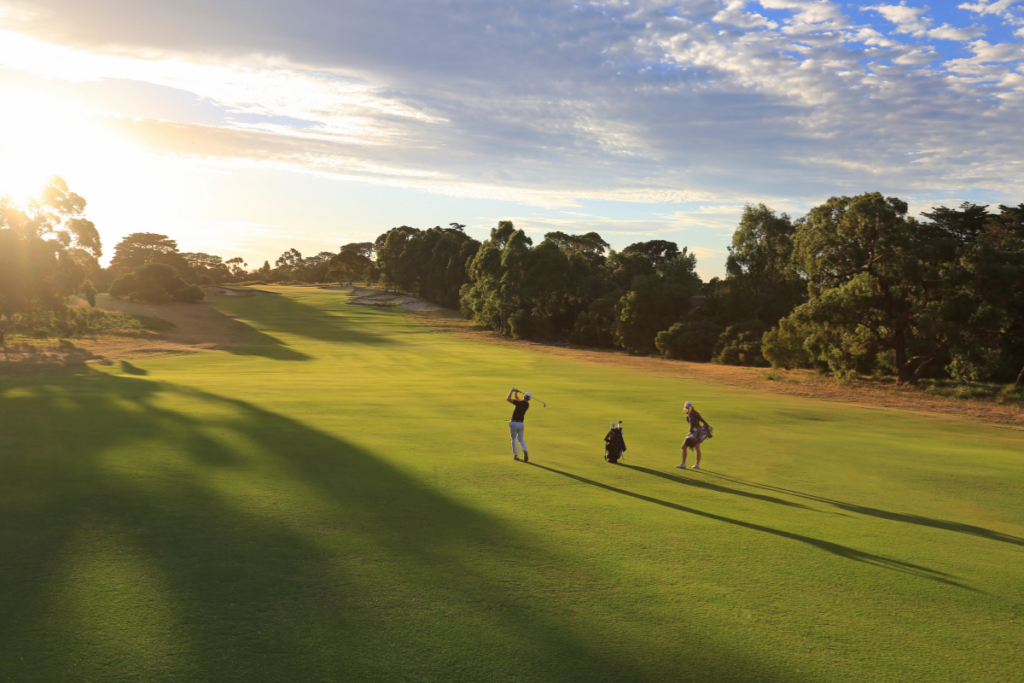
x: 531, y: 396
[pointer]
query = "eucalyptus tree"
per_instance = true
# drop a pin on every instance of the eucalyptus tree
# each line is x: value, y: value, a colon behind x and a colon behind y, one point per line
x: 46, y: 248
x: 926, y: 292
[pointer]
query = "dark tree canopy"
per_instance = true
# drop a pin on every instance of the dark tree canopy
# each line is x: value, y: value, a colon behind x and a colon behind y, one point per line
x: 591, y: 247
x: 964, y: 224
x: 364, y: 249
x: 924, y: 294
x: 140, y: 248
x: 659, y: 251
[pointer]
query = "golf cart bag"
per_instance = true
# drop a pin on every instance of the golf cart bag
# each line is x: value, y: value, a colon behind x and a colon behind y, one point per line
x: 614, y: 444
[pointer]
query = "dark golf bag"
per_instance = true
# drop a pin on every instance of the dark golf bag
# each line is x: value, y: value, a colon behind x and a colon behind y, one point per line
x: 614, y: 444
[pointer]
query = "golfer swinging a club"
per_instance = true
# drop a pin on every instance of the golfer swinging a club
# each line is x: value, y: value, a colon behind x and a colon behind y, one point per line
x: 515, y: 425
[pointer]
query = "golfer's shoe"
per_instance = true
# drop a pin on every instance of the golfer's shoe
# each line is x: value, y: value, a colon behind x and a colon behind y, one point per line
x: 515, y: 457
x: 681, y: 466
x: 526, y: 457
x: 695, y: 467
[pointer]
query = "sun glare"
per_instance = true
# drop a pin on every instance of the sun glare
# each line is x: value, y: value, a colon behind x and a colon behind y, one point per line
x: 41, y: 139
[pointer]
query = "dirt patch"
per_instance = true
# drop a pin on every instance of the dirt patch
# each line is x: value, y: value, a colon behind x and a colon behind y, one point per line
x: 794, y: 382
x: 197, y: 327
x: 421, y: 306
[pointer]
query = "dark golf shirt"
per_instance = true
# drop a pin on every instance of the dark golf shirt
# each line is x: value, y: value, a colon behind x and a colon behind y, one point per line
x: 520, y: 412
x: 694, y: 419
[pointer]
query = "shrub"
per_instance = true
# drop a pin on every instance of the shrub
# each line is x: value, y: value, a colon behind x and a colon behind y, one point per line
x: 190, y: 295
x: 783, y: 345
x: 122, y: 287
x: 89, y: 290
x: 521, y: 325
x: 155, y: 283
x: 690, y: 340
x: 741, y: 345
x: 151, y: 293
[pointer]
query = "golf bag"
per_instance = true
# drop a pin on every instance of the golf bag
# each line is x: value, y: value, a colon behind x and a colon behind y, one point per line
x: 694, y: 439
x: 614, y: 443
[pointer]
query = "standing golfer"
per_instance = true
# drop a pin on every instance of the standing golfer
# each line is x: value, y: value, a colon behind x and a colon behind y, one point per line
x: 695, y: 435
x: 515, y: 425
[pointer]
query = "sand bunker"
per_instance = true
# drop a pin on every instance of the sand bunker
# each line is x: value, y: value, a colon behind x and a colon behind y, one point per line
x: 375, y: 297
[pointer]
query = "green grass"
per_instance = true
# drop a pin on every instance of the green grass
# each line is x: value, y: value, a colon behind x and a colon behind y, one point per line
x: 349, y: 510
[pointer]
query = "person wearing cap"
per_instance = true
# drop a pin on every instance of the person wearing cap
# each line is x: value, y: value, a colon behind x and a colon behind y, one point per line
x: 515, y: 425
x: 693, y: 439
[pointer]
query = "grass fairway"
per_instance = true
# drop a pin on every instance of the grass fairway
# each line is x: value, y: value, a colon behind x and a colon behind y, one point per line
x: 339, y: 503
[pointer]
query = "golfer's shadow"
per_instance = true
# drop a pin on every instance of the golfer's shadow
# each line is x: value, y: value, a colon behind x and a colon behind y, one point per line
x: 708, y: 486
x: 884, y: 514
x: 827, y: 546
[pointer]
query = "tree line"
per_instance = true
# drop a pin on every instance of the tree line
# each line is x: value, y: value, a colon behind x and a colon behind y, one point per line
x: 855, y: 287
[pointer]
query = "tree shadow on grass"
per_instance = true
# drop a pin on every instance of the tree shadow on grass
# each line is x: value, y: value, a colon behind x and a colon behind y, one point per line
x: 286, y: 314
x: 229, y: 542
x: 828, y: 546
x: 885, y: 514
x: 266, y: 346
x: 28, y: 358
x: 708, y: 486
x: 133, y: 369
x: 253, y: 342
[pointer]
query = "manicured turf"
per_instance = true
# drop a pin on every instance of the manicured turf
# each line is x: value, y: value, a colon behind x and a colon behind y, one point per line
x: 339, y: 503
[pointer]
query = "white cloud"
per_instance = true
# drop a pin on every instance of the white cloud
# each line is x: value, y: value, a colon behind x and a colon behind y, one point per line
x: 870, y: 36
x: 983, y: 7
x: 907, y: 19
x: 918, y: 57
x: 734, y: 14
x: 947, y: 32
x: 987, y: 59
x: 647, y: 101
x: 807, y: 11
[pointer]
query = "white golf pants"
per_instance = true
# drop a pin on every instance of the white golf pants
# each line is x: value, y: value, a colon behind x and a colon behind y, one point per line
x: 516, y: 430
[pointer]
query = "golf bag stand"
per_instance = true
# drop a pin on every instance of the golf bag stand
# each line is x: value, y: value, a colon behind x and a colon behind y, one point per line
x: 614, y: 443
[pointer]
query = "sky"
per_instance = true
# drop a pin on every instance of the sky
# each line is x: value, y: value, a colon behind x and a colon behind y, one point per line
x: 245, y: 128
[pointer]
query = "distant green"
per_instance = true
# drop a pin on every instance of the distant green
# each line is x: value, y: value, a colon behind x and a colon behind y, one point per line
x: 339, y: 503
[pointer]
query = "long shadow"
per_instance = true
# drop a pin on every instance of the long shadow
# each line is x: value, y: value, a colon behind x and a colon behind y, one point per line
x: 828, y: 546
x: 286, y: 314
x: 283, y: 553
x: 708, y: 486
x: 133, y: 369
x: 884, y: 514
x: 30, y: 358
x: 253, y: 342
